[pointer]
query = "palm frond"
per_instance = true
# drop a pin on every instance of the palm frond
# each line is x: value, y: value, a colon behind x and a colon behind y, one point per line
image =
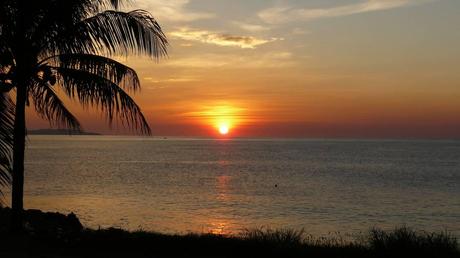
x: 117, y: 3
x: 6, y: 139
x: 49, y: 106
x: 54, y: 18
x: 7, y: 20
x: 101, y: 66
x: 93, y: 90
x: 115, y: 32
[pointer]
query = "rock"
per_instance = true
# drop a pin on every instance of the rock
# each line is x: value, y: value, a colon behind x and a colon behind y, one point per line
x: 38, y: 222
x: 74, y: 222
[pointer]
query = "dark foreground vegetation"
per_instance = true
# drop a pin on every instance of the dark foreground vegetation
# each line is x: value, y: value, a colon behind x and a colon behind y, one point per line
x: 58, y: 235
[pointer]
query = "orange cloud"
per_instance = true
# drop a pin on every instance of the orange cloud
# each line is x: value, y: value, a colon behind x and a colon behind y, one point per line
x: 287, y: 14
x: 220, y: 39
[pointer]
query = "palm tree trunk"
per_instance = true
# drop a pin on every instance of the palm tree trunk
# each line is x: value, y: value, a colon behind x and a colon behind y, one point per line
x: 18, y: 160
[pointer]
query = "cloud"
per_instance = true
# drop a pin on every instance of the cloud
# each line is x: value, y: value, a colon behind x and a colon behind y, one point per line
x: 267, y: 60
x: 151, y: 83
x: 171, y: 80
x: 218, y: 112
x: 172, y: 10
x: 300, y: 31
x: 220, y: 39
x: 251, y: 27
x: 204, y: 61
x: 279, y: 15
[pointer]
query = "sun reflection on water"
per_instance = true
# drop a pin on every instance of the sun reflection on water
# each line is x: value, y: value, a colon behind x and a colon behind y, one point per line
x: 220, y: 227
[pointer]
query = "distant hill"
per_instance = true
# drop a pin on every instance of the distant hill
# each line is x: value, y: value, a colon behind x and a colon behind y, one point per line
x: 58, y: 132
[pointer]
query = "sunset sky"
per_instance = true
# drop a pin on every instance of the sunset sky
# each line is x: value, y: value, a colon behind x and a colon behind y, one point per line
x: 300, y: 68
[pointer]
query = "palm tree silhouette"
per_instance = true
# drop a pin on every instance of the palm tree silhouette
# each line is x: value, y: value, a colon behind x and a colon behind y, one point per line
x: 50, y: 48
x: 6, y: 139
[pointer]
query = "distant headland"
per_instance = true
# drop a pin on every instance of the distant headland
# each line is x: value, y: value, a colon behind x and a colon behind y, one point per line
x: 59, y: 132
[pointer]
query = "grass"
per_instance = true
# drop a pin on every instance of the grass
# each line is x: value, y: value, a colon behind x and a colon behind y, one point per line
x: 62, y: 242
x: 405, y: 242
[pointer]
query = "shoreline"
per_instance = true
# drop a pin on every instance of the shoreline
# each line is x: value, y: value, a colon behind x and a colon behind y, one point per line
x: 50, y: 234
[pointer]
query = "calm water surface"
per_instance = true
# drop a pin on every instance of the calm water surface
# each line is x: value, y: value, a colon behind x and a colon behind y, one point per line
x: 224, y: 186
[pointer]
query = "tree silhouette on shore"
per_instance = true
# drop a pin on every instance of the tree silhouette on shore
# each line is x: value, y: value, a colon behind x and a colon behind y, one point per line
x: 52, y: 48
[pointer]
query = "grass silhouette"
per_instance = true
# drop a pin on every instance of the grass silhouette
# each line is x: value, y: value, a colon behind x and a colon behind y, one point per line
x: 57, y: 235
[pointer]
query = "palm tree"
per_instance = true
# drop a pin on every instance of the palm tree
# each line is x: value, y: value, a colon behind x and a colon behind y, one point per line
x: 6, y: 140
x: 51, y: 48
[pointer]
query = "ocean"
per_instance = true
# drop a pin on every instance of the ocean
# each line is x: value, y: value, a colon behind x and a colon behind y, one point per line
x: 175, y: 185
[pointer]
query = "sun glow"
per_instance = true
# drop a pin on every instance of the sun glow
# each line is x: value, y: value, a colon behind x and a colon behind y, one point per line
x: 223, y: 129
x: 222, y: 119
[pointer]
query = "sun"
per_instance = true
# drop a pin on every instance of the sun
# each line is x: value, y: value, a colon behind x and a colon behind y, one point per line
x: 224, y: 126
x: 224, y: 119
x: 223, y: 129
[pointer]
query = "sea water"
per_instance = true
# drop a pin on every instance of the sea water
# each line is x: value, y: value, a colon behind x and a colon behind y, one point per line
x: 175, y: 185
